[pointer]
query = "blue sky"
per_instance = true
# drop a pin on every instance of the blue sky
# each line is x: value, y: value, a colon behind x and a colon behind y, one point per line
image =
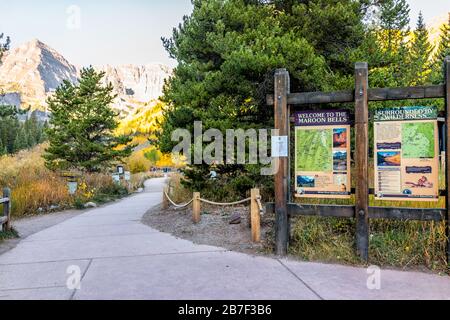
x: 114, y: 31
x: 429, y: 8
x: 110, y: 32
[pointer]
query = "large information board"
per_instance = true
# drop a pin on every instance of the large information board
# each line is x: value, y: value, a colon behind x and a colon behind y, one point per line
x: 406, y: 154
x: 322, y: 154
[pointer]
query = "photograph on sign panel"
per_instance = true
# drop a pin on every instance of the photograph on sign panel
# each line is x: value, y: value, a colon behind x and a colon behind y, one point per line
x: 306, y: 181
x: 340, y: 160
x: 389, y: 159
x: 340, y: 138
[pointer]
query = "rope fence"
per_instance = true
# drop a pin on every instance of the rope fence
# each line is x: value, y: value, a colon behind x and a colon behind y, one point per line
x: 225, y: 204
x: 256, y: 208
x: 178, y: 206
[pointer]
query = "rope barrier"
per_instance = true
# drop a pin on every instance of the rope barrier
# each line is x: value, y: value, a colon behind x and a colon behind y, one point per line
x: 258, y: 200
x: 179, y: 206
x: 196, y: 201
x: 226, y: 204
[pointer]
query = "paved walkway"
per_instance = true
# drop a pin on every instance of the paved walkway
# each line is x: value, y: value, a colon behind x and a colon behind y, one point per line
x: 117, y: 257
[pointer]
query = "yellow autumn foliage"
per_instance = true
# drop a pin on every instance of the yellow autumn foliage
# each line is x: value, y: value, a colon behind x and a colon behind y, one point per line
x: 144, y: 121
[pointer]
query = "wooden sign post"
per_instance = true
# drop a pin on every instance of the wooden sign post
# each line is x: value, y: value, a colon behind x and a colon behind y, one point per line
x: 196, y: 208
x: 255, y: 216
x: 362, y: 159
x: 282, y: 168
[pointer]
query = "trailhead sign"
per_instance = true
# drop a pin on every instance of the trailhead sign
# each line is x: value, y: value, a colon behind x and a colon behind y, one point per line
x: 406, y: 154
x: 322, y: 154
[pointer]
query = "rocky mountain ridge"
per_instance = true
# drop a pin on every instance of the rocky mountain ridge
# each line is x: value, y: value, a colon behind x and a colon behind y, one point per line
x: 34, y: 71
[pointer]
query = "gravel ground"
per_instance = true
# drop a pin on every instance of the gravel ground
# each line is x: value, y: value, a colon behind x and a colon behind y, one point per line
x: 214, y: 229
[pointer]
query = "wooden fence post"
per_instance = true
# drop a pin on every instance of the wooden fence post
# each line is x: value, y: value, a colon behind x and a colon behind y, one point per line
x: 282, y: 83
x: 165, y: 201
x: 255, y: 216
x: 447, y: 151
x: 361, y: 159
x: 7, y: 209
x: 196, y: 207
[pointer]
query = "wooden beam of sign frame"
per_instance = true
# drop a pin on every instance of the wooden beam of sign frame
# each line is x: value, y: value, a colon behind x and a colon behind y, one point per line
x: 376, y: 94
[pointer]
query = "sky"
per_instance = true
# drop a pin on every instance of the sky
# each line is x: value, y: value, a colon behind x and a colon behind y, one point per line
x: 430, y: 9
x: 96, y: 32
x: 117, y: 32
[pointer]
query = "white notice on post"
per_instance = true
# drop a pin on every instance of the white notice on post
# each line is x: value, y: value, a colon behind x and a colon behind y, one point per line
x: 280, y: 146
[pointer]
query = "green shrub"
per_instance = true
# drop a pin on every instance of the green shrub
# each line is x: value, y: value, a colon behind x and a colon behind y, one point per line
x: 12, y: 234
x: 114, y: 189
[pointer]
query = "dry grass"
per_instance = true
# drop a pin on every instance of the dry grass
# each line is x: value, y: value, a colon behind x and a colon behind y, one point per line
x: 33, y: 186
x: 177, y: 192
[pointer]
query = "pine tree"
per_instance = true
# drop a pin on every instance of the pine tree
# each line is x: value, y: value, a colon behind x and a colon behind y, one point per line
x: 394, y: 21
x: 442, y: 52
x: 227, y: 51
x: 2, y: 149
x: 21, y: 140
x: 386, y: 44
x: 34, y: 130
x: 9, y: 128
x: 444, y: 42
x: 4, y: 46
x: 16, y: 135
x: 82, y: 124
x: 420, y: 56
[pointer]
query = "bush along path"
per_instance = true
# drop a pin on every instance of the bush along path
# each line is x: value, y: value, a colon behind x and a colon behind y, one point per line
x: 107, y: 253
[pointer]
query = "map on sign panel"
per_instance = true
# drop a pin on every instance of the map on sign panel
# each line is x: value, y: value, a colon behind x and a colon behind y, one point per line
x: 418, y: 140
x: 315, y: 152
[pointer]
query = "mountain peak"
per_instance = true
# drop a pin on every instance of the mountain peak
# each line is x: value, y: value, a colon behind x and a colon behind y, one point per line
x: 37, y: 43
x: 35, y: 70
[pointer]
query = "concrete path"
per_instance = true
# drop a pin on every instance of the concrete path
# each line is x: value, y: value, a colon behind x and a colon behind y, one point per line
x: 117, y: 257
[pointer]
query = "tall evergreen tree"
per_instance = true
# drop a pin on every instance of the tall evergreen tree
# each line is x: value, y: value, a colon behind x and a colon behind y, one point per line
x: 227, y: 51
x: 421, y: 50
x: 386, y: 46
x: 3, y: 150
x: 82, y: 124
x: 333, y: 27
x: 21, y: 140
x: 443, y: 51
x: 444, y: 42
x: 17, y: 135
x: 394, y: 21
